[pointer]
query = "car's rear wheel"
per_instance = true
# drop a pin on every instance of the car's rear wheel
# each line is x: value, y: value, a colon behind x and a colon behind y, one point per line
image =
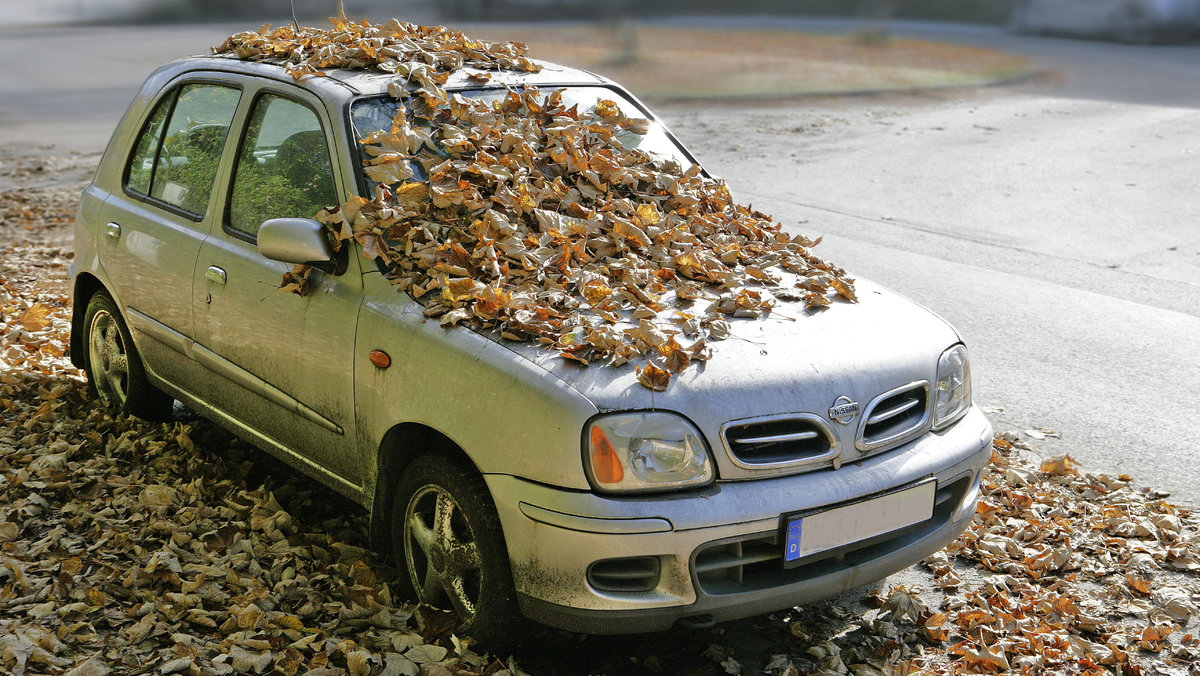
x: 447, y: 542
x: 114, y: 368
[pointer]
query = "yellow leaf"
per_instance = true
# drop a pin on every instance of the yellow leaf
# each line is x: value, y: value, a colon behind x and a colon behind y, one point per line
x: 36, y: 318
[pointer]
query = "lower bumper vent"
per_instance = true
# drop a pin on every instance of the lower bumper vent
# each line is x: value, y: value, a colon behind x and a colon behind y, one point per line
x: 631, y: 574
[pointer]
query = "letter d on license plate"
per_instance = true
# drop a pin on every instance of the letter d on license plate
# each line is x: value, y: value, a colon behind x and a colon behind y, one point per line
x: 813, y: 532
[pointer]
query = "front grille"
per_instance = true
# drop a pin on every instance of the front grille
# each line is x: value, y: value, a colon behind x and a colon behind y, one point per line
x: 796, y: 439
x: 630, y: 574
x: 755, y: 562
x: 894, y: 416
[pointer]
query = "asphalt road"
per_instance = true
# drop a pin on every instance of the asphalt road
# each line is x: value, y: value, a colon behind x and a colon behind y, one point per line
x: 1054, y: 223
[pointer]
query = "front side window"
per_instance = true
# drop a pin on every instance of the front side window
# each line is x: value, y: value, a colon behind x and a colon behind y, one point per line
x: 283, y: 168
x: 191, y: 147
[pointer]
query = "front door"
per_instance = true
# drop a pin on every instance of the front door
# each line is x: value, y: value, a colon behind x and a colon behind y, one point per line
x: 281, y: 361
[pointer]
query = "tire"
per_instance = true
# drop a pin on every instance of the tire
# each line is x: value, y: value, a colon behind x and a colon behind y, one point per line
x: 114, y: 368
x: 449, y: 549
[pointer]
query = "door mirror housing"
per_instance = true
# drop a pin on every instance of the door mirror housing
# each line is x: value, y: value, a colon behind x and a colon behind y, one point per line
x: 295, y: 240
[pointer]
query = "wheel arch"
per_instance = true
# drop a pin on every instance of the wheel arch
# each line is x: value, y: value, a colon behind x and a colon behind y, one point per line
x: 86, y: 286
x: 400, y: 445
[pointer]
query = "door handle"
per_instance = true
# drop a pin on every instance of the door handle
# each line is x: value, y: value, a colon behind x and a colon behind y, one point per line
x: 215, y: 275
x: 113, y: 230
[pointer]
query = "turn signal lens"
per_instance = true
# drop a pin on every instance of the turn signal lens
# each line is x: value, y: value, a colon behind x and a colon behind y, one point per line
x: 606, y: 466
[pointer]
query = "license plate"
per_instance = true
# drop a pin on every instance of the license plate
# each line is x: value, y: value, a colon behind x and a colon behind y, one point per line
x: 814, y: 532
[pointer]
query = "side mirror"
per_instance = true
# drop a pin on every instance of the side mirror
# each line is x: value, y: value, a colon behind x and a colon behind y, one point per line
x: 295, y: 240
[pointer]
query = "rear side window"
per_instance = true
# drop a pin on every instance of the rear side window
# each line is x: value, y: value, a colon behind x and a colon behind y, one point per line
x: 141, y: 164
x: 283, y: 167
x: 176, y: 156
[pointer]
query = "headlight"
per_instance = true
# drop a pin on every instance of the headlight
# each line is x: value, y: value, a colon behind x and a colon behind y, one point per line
x: 953, y: 395
x: 645, y: 451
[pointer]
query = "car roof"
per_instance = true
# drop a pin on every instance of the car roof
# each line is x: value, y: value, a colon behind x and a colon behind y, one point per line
x: 346, y: 84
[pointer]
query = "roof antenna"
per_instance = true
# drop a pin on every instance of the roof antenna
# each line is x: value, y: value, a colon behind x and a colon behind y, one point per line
x: 295, y: 24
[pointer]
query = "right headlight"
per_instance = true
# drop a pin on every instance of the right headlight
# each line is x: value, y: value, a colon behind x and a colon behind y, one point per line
x: 952, y: 397
x: 645, y: 451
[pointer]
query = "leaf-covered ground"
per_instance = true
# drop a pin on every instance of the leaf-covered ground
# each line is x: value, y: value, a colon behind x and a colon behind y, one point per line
x: 128, y: 547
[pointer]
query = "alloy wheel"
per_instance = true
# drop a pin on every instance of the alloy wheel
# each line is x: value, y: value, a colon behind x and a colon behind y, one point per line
x: 109, y: 359
x: 440, y: 551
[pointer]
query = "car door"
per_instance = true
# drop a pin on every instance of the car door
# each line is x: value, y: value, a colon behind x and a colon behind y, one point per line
x: 155, y: 225
x: 281, y: 362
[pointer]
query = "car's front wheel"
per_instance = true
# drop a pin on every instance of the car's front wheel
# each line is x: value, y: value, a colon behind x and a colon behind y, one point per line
x: 114, y: 368
x: 447, y: 542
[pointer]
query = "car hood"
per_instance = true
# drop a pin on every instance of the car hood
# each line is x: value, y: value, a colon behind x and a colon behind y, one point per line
x: 791, y: 361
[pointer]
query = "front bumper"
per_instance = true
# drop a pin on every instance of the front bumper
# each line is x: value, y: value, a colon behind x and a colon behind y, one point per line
x: 718, y: 548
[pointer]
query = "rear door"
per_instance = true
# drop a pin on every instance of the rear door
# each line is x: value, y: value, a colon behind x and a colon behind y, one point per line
x: 153, y: 227
x: 281, y: 362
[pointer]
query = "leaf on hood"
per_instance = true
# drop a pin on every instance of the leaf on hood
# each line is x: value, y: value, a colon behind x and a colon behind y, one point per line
x: 653, y: 377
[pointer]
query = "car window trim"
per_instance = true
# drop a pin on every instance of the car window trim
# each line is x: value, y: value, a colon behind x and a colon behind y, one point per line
x: 265, y: 90
x: 176, y: 86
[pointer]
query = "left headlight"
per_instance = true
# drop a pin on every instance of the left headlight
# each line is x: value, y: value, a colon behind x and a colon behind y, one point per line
x: 953, y: 395
x: 645, y: 451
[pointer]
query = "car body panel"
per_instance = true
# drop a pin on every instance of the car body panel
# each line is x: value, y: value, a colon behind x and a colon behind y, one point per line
x: 514, y: 418
x: 789, y: 361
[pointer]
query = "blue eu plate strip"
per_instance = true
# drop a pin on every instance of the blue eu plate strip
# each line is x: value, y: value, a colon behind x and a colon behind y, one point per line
x: 791, y: 550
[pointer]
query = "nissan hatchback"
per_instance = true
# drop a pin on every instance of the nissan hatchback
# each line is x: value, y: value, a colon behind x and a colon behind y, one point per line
x: 805, y: 458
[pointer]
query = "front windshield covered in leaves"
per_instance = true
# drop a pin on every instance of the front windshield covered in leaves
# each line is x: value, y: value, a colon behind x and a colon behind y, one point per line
x: 376, y: 114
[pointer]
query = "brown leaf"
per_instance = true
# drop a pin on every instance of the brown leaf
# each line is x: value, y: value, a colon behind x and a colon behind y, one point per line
x: 1062, y: 465
x: 1138, y: 584
x: 653, y: 377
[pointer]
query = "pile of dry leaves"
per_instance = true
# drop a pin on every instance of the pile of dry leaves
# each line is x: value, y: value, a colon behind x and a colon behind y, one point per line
x: 1081, y: 567
x: 535, y: 220
x: 123, y: 549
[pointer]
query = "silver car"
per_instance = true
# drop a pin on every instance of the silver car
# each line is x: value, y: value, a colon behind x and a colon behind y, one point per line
x: 805, y: 458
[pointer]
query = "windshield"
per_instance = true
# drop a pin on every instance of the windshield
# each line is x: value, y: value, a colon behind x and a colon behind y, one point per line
x: 375, y: 114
